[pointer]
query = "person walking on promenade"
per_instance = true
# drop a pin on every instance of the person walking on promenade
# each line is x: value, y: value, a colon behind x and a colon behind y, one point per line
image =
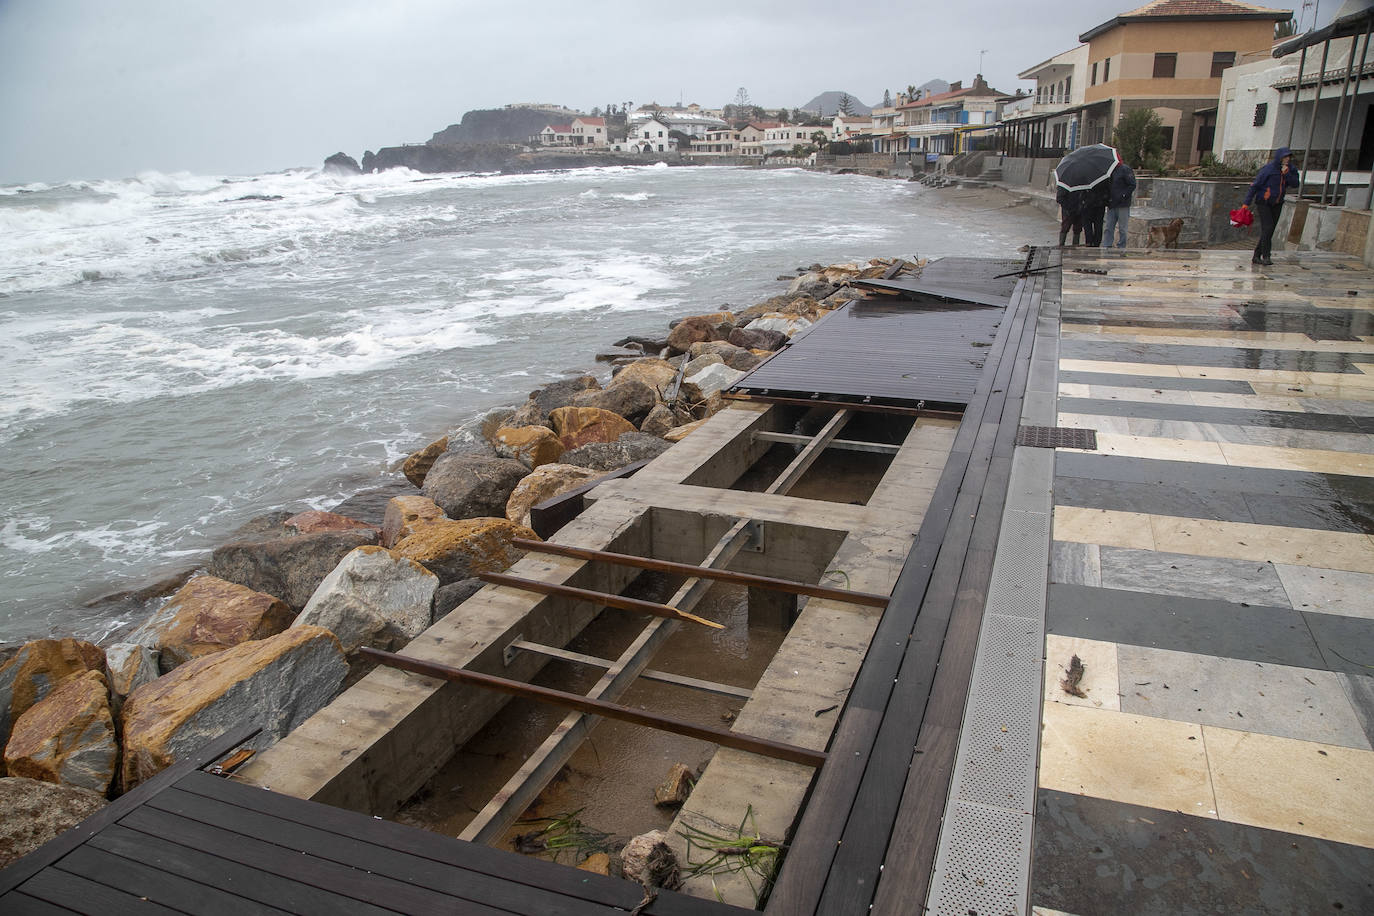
x: 1119, y: 205
x: 1094, y: 208
x: 1266, y: 192
x: 1070, y: 214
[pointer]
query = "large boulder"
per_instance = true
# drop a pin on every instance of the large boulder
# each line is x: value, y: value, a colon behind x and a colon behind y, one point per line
x: 287, y: 567
x: 36, y: 669
x: 341, y: 164
x: 208, y: 615
x: 697, y: 363
x: 610, y: 456
x: 811, y: 284
x: 714, y: 378
x: 314, y: 521
x: 535, y: 411
x: 450, y: 596
x: 577, y: 426
x: 417, y: 465
x: 67, y: 737
x: 630, y: 399
x: 658, y: 374
x: 373, y: 598
x: 733, y: 356
x: 546, y: 482
x: 455, y: 550
x: 470, y: 486
x: 529, y: 445
x: 128, y: 666
x: 715, y: 326
x: 276, y: 683
x: 32, y: 812
x: 752, y: 338
x: 659, y: 421
x: 405, y: 514
x: 776, y: 322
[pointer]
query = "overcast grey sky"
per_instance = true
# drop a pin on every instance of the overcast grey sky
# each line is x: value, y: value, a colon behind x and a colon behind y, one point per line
x: 112, y: 88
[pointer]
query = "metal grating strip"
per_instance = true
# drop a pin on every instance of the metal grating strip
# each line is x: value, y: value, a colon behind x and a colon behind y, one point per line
x: 984, y: 842
x: 1056, y: 437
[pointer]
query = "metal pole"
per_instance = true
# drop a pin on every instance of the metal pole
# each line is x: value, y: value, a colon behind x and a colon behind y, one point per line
x: 1336, y: 124
x: 1349, y: 114
x: 1312, y: 124
x: 1297, y: 94
x: 601, y: 598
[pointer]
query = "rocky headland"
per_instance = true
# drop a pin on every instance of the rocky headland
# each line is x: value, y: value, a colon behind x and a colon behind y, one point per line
x: 268, y: 632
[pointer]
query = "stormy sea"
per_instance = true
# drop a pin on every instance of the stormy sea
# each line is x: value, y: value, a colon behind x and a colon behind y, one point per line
x: 181, y: 353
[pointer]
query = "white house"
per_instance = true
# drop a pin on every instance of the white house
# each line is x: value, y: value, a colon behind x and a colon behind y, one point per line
x: 554, y: 135
x: 782, y: 137
x: 751, y: 137
x: 845, y: 126
x: 1047, y: 123
x: 588, y: 131
x: 651, y: 136
x: 723, y: 141
x: 692, y: 120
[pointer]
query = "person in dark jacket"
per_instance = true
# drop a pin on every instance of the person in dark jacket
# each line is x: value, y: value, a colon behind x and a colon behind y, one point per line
x: 1119, y: 205
x: 1070, y: 214
x: 1094, y: 208
x: 1266, y: 194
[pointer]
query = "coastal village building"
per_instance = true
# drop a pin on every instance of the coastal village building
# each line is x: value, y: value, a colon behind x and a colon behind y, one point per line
x: 693, y: 120
x: 886, y: 137
x: 1045, y: 123
x: 931, y: 123
x: 554, y: 135
x: 589, y: 132
x: 781, y: 138
x: 845, y: 127
x: 651, y: 136
x: 723, y: 141
x: 751, y: 137
x: 1169, y: 56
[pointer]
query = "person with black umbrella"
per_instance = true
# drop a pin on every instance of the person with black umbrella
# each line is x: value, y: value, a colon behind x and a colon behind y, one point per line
x: 1083, y: 180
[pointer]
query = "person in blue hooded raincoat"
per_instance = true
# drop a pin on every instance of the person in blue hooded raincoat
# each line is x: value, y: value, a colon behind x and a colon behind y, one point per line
x: 1265, y: 199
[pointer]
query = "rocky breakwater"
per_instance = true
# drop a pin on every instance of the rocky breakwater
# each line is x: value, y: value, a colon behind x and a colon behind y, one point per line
x: 268, y: 632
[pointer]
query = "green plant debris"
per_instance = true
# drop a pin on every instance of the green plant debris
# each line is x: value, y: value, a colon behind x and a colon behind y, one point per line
x: 837, y: 574
x: 562, y: 833
x: 739, y: 851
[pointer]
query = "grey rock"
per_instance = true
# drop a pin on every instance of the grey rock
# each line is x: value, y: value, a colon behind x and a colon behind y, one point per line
x: 33, y: 812
x: 752, y: 338
x: 471, y: 486
x: 373, y: 598
x: 289, y: 567
x: 659, y: 421
x: 450, y: 596
x: 608, y: 456
x: 630, y: 399
x: 535, y: 411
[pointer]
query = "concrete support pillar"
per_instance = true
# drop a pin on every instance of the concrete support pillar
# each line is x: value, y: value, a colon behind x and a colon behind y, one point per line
x: 771, y: 608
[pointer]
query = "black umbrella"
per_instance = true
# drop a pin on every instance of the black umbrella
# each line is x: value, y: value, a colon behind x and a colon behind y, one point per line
x: 1086, y: 167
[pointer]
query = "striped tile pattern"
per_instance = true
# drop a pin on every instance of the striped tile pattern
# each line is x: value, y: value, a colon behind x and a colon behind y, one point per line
x: 1213, y: 569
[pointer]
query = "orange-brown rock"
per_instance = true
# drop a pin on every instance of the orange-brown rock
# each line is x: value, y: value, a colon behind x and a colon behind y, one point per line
x: 578, y: 426
x: 715, y: 326
x: 532, y: 446
x: 38, y: 667
x: 674, y: 790
x: 67, y: 737
x: 658, y: 374
x: 659, y: 421
x: 454, y: 550
x: 418, y: 464
x: 679, y: 433
x: 405, y: 515
x: 314, y: 520
x: 276, y: 682
x: 546, y: 482
x: 210, y: 615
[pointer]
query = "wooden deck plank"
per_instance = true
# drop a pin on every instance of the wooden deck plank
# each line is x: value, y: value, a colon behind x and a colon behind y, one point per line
x: 250, y: 883
x: 81, y: 895
x: 20, y: 904
x: 151, y: 883
x: 283, y: 861
x: 510, y: 866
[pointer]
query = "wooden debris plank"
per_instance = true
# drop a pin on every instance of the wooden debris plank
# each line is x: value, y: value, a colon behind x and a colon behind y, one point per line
x: 762, y: 746
x: 207, y: 867
x: 149, y: 882
x: 722, y: 575
x: 604, y: 599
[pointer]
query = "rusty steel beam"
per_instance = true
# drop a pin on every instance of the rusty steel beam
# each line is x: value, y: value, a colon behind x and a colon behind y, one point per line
x: 605, y: 599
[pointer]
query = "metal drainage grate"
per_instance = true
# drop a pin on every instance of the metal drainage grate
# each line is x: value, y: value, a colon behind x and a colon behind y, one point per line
x: 1056, y: 437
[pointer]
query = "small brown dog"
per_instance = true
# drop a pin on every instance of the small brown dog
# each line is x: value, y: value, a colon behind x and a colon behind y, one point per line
x: 1165, y: 236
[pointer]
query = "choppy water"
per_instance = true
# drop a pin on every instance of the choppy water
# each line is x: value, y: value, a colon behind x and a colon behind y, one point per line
x: 176, y: 359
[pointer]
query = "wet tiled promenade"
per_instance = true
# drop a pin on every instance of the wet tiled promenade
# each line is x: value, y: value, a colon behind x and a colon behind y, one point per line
x: 1212, y: 566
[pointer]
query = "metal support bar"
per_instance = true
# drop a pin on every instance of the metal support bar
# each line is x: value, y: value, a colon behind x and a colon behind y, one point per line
x: 722, y: 575
x: 1336, y: 137
x: 844, y: 445
x: 1350, y: 112
x: 680, y: 680
x: 1297, y: 94
x: 747, y: 395
x: 602, y: 598
x: 1312, y: 123
x: 723, y: 737
x: 808, y: 455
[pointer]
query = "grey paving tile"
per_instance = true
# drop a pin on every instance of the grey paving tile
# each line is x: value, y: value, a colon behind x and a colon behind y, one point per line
x: 1075, y: 564
x: 1359, y: 689
x: 1161, y: 410
x: 1115, y: 380
x: 1323, y: 514
x: 1182, y: 501
x: 1196, y: 355
x: 1168, y: 429
x: 1189, y: 576
x: 1209, y: 627
x: 1249, y: 696
x: 1329, y: 591
x: 1200, y: 476
x: 1346, y: 643
x: 1097, y: 856
x: 1355, y: 443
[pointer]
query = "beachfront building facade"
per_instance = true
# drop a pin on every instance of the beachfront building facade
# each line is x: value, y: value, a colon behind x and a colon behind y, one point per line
x: 781, y: 138
x: 1045, y: 123
x: 692, y: 120
x: 751, y: 137
x: 932, y: 123
x: 554, y: 135
x: 1169, y: 56
x: 651, y: 136
x: 886, y: 137
x: 587, y: 131
x: 846, y: 127
x: 723, y: 141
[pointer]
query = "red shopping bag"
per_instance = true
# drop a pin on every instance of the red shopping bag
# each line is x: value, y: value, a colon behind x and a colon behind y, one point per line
x: 1241, y: 216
